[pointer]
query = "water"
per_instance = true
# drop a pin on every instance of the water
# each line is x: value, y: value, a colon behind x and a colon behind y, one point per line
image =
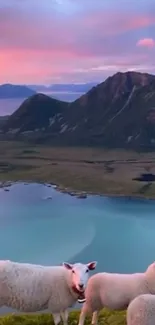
x: 118, y: 233
x: 67, y: 96
x: 8, y: 106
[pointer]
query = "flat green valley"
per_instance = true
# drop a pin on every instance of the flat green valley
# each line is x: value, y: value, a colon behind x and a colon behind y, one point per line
x: 93, y: 170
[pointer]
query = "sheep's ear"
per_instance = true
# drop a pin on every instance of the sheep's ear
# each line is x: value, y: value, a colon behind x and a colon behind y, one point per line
x: 153, y: 264
x: 92, y: 265
x: 68, y: 266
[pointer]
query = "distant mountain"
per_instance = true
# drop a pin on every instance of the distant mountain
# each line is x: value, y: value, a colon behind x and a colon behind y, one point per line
x: 15, y: 91
x: 82, y: 88
x: 119, y: 112
x: 38, y: 88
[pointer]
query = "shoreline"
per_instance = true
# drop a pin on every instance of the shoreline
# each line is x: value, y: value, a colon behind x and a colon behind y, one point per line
x: 80, y: 194
x: 79, y: 171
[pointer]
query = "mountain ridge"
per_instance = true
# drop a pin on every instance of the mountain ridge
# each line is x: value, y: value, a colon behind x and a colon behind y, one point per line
x: 15, y: 91
x: 118, y: 112
x: 34, y: 113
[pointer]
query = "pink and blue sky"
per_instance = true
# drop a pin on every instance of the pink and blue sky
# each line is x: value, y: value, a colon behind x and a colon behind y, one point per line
x: 63, y: 41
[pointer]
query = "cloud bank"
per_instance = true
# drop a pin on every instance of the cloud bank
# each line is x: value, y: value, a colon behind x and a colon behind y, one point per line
x: 74, y: 40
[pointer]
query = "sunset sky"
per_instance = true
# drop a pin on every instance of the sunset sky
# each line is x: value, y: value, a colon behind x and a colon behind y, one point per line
x: 61, y: 41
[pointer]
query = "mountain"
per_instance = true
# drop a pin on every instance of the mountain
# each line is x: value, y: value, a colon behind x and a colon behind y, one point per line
x: 3, y: 120
x: 34, y: 114
x: 120, y: 112
x: 82, y: 88
x: 103, y: 115
x: 15, y: 91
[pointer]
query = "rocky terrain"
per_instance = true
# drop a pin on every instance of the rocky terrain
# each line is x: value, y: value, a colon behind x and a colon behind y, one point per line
x: 119, y: 112
x: 36, y: 114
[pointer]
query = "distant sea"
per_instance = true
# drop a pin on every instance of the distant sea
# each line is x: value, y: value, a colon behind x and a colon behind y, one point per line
x: 8, y: 106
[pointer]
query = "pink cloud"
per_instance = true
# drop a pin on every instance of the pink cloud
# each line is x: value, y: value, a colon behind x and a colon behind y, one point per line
x: 23, y: 30
x: 36, y: 48
x: 26, y: 65
x: 114, y: 23
x: 146, y: 42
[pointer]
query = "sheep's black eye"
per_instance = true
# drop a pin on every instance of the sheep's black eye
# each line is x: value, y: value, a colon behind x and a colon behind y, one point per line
x: 73, y: 271
x: 87, y: 271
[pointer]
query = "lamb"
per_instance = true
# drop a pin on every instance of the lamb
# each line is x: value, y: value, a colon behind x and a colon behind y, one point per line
x: 141, y: 310
x: 115, y: 291
x: 31, y: 288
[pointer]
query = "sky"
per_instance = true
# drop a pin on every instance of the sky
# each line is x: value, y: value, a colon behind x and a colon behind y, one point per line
x: 74, y: 41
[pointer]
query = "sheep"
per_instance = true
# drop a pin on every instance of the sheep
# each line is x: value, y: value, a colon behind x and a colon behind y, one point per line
x: 141, y: 310
x: 31, y: 288
x: 115, y: 291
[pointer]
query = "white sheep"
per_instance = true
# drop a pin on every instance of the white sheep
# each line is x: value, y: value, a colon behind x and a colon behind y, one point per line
x: 115, y: 291
x: 141, y: 310
x: 32, y: 288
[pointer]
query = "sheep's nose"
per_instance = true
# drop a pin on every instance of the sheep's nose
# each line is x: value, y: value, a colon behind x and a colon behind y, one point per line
x: 81, y: 286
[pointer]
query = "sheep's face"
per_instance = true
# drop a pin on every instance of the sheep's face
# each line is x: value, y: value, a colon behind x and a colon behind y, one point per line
x: 80, y: 274
x: 151, y: 269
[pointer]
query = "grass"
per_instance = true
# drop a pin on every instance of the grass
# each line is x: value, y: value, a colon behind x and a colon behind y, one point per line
x: 92, y: 170
x: 106, y: 317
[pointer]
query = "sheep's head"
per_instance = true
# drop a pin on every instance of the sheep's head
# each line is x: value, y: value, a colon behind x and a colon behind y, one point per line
x: 151, y: 269
x: 80, y: 276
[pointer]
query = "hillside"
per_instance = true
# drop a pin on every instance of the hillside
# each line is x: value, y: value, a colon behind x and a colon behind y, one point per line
x: 34, y: 114
x: 3, y: 120
x: 15, y: 91
x: 116, y: 113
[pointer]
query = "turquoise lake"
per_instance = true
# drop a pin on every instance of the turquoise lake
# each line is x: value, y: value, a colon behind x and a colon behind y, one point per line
x: 119, y: 233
